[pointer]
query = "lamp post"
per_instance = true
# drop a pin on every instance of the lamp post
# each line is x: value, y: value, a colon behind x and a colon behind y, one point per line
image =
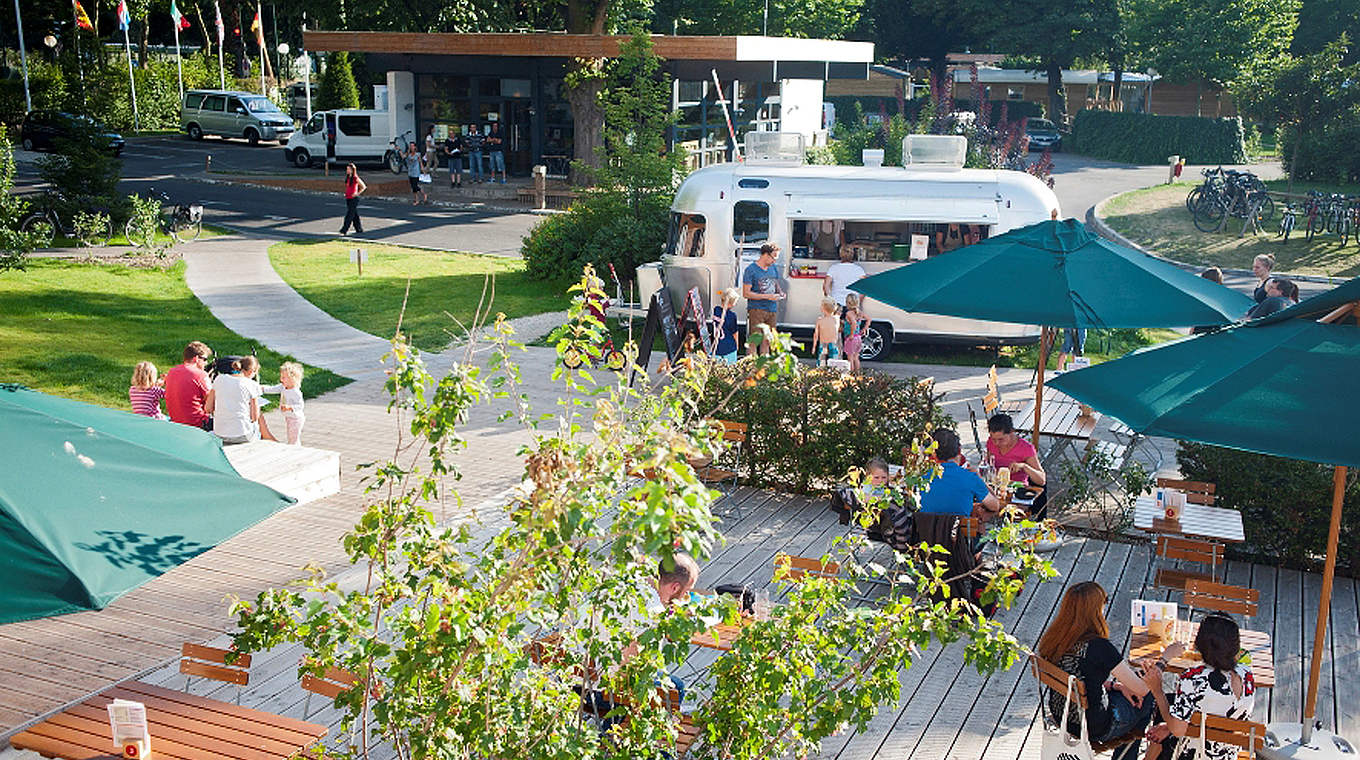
x: 284, y: 62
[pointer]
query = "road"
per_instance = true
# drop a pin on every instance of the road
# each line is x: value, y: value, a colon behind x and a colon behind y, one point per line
x: 176, y: 165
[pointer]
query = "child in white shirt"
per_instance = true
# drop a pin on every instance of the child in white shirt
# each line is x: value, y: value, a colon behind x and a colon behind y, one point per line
x: 290, y: 389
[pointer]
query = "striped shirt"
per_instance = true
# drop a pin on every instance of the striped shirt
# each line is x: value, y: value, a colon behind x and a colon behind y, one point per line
x: 147, y: 401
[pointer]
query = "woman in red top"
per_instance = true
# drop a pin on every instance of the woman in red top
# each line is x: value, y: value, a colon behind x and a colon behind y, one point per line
x: 354, y: 187
x: 1007, y: 449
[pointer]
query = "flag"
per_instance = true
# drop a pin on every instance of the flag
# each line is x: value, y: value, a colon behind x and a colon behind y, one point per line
x: 180, y: 21
x: 82, y: 19
x: 257, y: 28
x: 217, y: 21
x: 124, y: 20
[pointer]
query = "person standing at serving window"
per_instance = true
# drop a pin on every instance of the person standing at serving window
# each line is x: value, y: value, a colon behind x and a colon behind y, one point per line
x: 841, y: 275
x: 760, y: 288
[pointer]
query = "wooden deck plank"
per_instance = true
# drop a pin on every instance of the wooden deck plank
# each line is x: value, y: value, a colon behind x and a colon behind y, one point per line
x: 1346, y: 656
x: 1312, y: 597
x: 1286, y: 699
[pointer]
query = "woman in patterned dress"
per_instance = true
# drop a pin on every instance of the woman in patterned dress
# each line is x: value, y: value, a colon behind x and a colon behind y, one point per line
x: 1223, y: 686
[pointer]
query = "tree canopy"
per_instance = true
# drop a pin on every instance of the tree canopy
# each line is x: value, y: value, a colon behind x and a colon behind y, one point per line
x: 1212, y: 41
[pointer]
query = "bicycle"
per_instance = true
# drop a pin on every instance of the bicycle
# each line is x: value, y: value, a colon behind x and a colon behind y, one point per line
x: 97, y: 236
x: 1312, y: 208
x: 395, y: 158
x: 182, y: 222
x: 1287, y: 222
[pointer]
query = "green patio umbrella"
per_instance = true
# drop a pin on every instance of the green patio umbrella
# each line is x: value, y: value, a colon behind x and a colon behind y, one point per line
x: 1231, y: 388
x: 95, y: 502
x: 1056, y: 274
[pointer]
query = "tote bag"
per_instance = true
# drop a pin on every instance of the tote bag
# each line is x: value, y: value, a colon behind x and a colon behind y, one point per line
x: 1057, y: 743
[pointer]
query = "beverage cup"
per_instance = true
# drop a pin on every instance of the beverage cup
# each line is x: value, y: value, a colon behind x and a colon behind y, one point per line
x: 1157, y: 627
x: 762, y: 604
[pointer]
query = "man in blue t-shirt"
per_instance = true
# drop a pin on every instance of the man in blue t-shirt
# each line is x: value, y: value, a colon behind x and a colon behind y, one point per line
x: 957, y: 490
x: 760, y: 288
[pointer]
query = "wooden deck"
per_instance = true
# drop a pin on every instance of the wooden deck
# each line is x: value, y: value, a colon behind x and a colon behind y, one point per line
x: 304, y: 473
x: 948, y: 711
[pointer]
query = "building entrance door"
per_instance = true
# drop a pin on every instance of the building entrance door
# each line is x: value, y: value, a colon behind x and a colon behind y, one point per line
x: 519, y: 142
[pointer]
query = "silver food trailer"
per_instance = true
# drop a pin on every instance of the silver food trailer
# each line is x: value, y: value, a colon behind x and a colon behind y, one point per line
x: 887, y: 216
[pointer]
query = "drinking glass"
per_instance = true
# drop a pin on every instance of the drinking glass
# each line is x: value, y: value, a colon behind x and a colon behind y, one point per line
x: 762, y: 604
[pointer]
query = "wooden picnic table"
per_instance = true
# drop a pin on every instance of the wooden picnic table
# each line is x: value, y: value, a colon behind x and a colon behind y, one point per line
x: 720, y: 637
x: 1061, y: 417
x: 1213, y: 523
x: 182, y: 727
x: 1143, y: 644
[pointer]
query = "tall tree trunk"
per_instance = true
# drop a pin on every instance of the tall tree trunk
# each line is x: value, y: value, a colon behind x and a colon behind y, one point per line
x: 586, y: 17
x: 1057, y: 98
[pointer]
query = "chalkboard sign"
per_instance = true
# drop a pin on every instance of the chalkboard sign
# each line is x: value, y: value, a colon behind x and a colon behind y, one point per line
x: 694, y: 311
x: 660, y: 318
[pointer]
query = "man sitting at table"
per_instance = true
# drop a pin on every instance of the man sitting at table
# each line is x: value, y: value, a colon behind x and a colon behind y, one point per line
x: 672, y: 584
x: 957, y: 491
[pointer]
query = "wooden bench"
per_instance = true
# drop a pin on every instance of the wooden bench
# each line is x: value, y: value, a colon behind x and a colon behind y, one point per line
x: 1195, y: 491
x: 1221, y: 597
x: 798, y: 568
x: 1245, y: 734
x: 212, y: 663
x: 1055, y: 678
x: 1180, y: 549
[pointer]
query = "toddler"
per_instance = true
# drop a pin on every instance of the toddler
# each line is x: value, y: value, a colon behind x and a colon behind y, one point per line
x: 852, y: 325
x: 147, y: 391
x: 825, y: 341
x: 290, y: 403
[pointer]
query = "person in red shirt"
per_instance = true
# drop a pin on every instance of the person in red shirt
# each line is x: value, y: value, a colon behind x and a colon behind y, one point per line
x: 187, y: 386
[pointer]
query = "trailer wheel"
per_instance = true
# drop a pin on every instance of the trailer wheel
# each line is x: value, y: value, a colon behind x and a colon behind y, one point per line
x: 877, y: 342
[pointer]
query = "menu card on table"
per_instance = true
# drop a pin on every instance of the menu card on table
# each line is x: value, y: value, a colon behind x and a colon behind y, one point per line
x: 1151, y: 614
x: 127, y: 720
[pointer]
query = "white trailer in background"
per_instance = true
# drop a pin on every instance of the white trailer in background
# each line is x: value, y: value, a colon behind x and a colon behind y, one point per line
x: 722, y: 214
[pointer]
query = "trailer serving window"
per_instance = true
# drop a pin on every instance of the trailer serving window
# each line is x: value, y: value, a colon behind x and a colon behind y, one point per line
x: 824, y: 239
x: 686, y: 235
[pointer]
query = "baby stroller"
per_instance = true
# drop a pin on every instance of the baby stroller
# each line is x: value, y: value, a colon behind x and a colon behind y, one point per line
x: 598, y: 305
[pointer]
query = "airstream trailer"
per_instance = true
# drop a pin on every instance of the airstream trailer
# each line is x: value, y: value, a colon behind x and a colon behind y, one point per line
x: 885, y: 216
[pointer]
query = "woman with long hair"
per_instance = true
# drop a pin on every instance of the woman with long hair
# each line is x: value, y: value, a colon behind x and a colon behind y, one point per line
x: 1221, y: 686
x: 354, y: 187
x: 1077, y: 640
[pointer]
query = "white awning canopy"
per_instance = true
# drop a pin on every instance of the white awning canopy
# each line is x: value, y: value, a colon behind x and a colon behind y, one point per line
x: 897, y: 209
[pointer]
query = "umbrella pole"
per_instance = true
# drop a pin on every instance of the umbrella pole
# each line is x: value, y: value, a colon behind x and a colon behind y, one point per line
x: 1039, y: 382
x: 1325, y: 604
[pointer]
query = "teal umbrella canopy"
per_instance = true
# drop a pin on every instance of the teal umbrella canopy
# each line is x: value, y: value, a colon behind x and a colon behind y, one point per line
x: 1057, y: 274
x: 1283, y: 384
x: 95, y: 502
x: 1286, y: 389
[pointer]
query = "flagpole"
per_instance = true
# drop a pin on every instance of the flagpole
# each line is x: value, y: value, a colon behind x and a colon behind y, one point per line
x: 23, y: 55
x: 132, y: 81
x: 221, y: 66
x: 259, y: 41
x: 179, y: 57
x: 80, y: 65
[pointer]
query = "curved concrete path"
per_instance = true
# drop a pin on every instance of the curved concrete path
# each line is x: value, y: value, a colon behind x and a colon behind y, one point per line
x: 233, y: 277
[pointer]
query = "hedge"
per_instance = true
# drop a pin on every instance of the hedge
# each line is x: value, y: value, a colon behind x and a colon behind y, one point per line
x: 805, y: 431
x: 1138, y: 138
x: 1326, y: 152
x: 846, y: 106
x: 1286, y: 505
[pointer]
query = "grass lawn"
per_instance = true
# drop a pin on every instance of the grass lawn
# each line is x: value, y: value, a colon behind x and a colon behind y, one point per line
x: 76, y: 330
x: 1101, y: 345
x: 440, y: 282
x: 1156, y: 218
x: 120, y: 238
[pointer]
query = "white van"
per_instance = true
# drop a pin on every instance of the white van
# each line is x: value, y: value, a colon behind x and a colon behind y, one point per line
x: 359, y: 136
x: 229, y: 113
x: 723, y: 213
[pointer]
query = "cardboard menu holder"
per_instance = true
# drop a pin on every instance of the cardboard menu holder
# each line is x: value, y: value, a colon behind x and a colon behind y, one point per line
x: 1158, y: 617
x: 127, y: 722
x: 1173, y: 505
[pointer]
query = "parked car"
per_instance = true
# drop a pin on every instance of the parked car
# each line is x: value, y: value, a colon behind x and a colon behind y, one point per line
x: 42, y: 129
x: 233, y: 114
x: 1043, y: 135
x: 360, y: 136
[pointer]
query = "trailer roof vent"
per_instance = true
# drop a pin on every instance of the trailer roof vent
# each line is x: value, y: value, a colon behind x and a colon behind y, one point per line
x: 934, y: 151
x: 775, y: 147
